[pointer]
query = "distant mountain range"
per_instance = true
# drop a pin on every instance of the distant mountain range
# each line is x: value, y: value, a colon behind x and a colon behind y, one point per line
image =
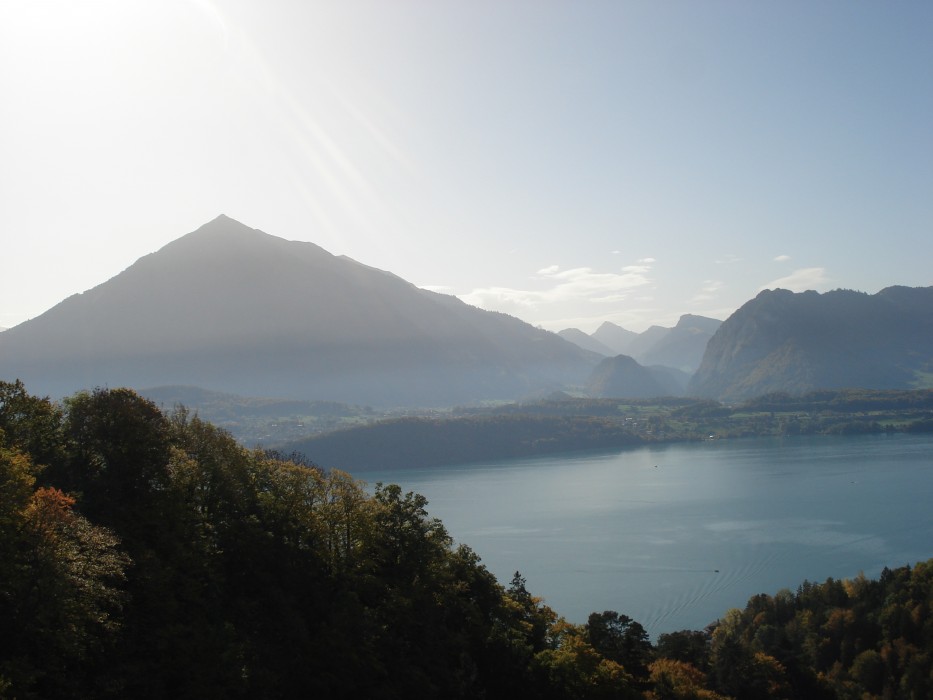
x: 230, y: 308
x: 786, y: 342
x: 681, y: 347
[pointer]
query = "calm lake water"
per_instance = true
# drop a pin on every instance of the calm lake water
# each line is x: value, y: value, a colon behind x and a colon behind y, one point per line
x: 675, y: 535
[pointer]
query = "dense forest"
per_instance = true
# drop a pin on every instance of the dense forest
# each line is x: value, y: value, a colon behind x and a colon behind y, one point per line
x: 148, y: 555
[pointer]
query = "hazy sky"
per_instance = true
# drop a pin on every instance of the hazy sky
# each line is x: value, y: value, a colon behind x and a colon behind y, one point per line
x: 565, y: 162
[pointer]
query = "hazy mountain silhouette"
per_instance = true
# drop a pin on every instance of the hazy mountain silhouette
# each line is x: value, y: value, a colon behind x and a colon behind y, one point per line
x: 614, y: 337
x: 623, y: 377
x: 681, y: 347
x: 786, y: 342
x: 231, y: 308
x: 585, y: 341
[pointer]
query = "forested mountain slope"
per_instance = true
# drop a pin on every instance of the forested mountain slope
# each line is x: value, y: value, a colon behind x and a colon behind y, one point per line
x: 786, y: 342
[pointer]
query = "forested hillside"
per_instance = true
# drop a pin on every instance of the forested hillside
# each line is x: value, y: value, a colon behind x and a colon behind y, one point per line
x: 147, y: 555
x: 564, y: 425
x: 794, y: 343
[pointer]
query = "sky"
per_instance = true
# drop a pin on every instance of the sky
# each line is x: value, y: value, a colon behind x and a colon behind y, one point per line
x: 568, y: 163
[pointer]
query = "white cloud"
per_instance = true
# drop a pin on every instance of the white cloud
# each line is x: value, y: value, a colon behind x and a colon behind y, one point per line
x: 801, y: 280
x: 728, y: 260
x: 782, y: 258
x: 584, y: 282
x: 557, y: 288
x: 501, y: 298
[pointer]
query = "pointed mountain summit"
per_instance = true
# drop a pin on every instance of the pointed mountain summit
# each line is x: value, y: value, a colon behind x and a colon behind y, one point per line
x: 231, y: 308
x: 615, y: 337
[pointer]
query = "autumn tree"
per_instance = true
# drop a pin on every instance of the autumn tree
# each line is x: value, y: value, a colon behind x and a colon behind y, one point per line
x: 60, y: 589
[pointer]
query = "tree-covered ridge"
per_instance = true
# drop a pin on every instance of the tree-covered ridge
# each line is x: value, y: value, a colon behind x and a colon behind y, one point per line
x: 149, y: 555
x: 565, y: 424
x: 856, y: 638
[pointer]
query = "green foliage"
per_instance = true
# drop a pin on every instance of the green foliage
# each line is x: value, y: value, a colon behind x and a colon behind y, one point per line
x: 60, y: 578
x: 31, y: 423
x: 620, y: 639
x: 573, y: 669
x: 845, y: 639
x: 176, y: 563
x: 688, y: 646
x: 227, y: 572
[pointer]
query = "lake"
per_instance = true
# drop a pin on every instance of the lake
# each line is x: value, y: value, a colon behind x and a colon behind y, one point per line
x: 675, y: 535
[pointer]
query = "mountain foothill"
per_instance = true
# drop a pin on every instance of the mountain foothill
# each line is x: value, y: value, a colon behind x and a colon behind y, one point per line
x: 232, y: 309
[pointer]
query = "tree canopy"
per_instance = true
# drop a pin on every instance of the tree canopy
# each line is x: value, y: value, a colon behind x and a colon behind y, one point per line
x: 149, y: 555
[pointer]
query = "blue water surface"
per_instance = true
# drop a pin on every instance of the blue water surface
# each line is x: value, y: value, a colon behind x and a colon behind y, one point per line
x: 675, y: 535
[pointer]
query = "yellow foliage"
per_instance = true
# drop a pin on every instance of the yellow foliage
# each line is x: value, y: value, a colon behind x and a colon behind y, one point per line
x: 677, y: 680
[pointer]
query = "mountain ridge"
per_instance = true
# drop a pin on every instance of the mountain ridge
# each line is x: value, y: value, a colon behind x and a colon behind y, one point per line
x: 796, y: 342
x: 680, y: 347
x: 232, y: 308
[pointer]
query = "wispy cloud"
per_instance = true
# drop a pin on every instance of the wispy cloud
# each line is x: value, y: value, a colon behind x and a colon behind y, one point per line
x: 555, y: 286
x: 708, y: 291
x: 729, y: 259
x: 782, y: 258
x: 801, y: 280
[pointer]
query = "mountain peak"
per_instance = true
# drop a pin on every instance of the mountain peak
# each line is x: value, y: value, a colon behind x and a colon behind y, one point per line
x: 227, y: 238
x: 223, y: 224
x: 231, y: 308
